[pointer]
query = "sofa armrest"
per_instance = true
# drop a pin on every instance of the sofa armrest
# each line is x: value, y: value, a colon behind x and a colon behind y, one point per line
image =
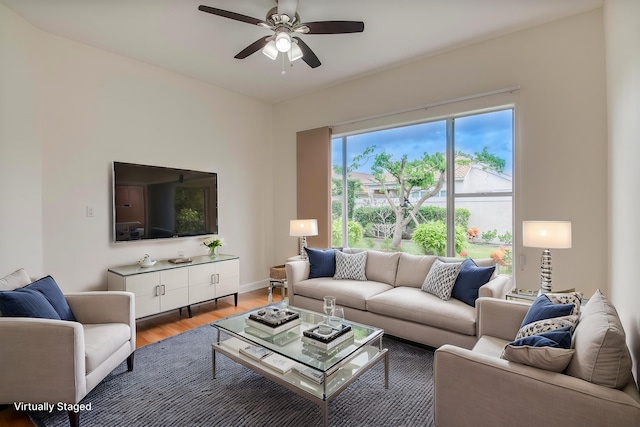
x: 500, y: 318
x: 102, y: 306
x: 525, y: 395
x: 105, y: 307
x: 497, y: 287
x: 42, y: 359
x: 296, y: 271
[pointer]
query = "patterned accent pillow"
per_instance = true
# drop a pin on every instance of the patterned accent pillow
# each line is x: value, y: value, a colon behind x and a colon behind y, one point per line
x: 441, y: 278
x: 574, y: 298
x: 546, y: 325
x: 351, y: 266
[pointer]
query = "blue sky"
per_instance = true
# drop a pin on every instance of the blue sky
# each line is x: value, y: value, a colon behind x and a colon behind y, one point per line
x: 472, y: 133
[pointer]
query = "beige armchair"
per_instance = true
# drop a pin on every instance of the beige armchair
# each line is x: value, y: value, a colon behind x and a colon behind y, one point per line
x: 478, y: 388
x: 58, y: 361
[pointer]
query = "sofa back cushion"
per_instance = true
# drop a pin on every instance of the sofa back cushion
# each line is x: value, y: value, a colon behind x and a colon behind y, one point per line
x: 382, y: 266
x: 413, y: 269
x: 15, y: 280
x: 601, y: 356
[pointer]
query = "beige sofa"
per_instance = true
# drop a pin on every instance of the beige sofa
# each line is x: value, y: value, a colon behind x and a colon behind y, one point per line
x: 477, y: 387
x: 391, y: 298
x: 60, y: 361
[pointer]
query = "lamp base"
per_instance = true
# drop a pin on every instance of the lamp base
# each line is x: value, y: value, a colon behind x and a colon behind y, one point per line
x: 303, y: 244
x: 545, y: 271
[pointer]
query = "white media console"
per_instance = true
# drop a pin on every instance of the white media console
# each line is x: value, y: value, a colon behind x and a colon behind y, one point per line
x: 167, y: 286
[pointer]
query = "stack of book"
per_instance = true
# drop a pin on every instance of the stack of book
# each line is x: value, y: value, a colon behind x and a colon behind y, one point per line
x: 338, y: 335
x: 273, y: 322
x: 268, y: 358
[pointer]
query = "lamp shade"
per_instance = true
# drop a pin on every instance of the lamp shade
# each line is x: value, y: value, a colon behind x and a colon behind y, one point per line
x: 270, y: 50
x: 303, y: 227
x: 546, y: 234
x: 295, y: 53
x: 283, y: 42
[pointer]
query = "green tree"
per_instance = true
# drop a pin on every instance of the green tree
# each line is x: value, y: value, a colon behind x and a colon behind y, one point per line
x: 432, y: 238
x: 354, y: 230
x: 426, y: 173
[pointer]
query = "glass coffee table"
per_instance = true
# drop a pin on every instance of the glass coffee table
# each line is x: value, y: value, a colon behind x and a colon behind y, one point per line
x: 289, y: 358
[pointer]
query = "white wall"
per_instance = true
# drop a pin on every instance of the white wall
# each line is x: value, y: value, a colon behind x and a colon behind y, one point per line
x: 21, y: 242
x: 623, y: 94
x: 94, y: 107
x: 561, y: 151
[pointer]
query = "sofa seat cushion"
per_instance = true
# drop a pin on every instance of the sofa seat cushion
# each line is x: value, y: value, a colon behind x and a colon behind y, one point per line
x: 101, y: 340
x: 412, y: 304
x: 348, y: 293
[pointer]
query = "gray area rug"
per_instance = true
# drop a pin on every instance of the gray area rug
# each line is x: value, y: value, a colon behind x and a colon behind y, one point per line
x: 172, y: 385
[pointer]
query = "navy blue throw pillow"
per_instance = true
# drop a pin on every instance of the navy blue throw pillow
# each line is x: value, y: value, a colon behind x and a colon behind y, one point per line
x: 51, y: 291
x: 560, y: 338
x: 542, y: 308
x: 469, y: 280
x: 322, y: 263
x: 26, y: 303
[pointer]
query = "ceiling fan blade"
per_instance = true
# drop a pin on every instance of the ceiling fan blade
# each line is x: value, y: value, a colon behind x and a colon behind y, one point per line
x: 252, y: 48
x: 307, y: 54
x: 287, y: 7
x: 335, y: 27
x: 230, y: 15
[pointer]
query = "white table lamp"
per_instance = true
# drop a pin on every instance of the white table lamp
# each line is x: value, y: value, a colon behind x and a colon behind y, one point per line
x: 302, y: 228
x: 546, y: 235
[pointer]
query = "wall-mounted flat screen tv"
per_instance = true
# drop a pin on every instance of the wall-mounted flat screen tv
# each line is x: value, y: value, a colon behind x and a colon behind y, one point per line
x: 153, y: 202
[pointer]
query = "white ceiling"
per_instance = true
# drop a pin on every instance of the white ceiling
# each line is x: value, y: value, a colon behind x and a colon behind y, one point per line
x: 175, y: 35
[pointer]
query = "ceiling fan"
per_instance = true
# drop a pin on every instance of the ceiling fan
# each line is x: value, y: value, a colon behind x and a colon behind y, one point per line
x: 284, y: 21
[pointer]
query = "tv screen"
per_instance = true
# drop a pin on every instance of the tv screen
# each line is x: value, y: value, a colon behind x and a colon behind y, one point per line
x: 154, y: 202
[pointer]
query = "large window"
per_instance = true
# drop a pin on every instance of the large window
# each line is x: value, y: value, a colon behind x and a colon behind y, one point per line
x: 441, y: 187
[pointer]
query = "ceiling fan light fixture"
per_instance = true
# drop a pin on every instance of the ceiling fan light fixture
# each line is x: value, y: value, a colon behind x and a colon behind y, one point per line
x: 270, y: 50
x: 295, y: 53
x: 283, y: 42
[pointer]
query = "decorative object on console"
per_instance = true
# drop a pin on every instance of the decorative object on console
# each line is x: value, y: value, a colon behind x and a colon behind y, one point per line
x: 546, y: 235
x: 213, y: 245
x: 302, y: 228
x: 146, y: 261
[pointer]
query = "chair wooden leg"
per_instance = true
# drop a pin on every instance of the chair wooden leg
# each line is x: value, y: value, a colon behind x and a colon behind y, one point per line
x: 130, y: 362
x: 74, y: 418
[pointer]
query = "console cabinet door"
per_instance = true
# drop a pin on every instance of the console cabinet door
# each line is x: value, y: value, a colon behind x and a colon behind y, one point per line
x: 146, y: 287
x: 202, y: 279
x: 174, y: 288
x: 228, y: 278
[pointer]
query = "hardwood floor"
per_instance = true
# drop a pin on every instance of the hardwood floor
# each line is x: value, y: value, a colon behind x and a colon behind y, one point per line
x: 172, y: 323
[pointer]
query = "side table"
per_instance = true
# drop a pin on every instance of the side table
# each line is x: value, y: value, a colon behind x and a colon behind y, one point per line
x: 277, y: 279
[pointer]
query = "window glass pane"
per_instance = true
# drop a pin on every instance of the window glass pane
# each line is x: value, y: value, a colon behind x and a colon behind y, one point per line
x: 396, y: 190
x: 487, y: 139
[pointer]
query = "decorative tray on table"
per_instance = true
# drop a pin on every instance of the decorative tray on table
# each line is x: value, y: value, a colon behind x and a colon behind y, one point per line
x: 273, y: 320
x: 338, y: 335
x: 336, y: 331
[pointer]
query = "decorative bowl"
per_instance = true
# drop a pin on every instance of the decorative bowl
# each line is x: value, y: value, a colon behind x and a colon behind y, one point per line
x: 147, y: 264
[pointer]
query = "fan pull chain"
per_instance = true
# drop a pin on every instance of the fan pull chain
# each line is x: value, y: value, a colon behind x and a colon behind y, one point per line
x: 283, y: 70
